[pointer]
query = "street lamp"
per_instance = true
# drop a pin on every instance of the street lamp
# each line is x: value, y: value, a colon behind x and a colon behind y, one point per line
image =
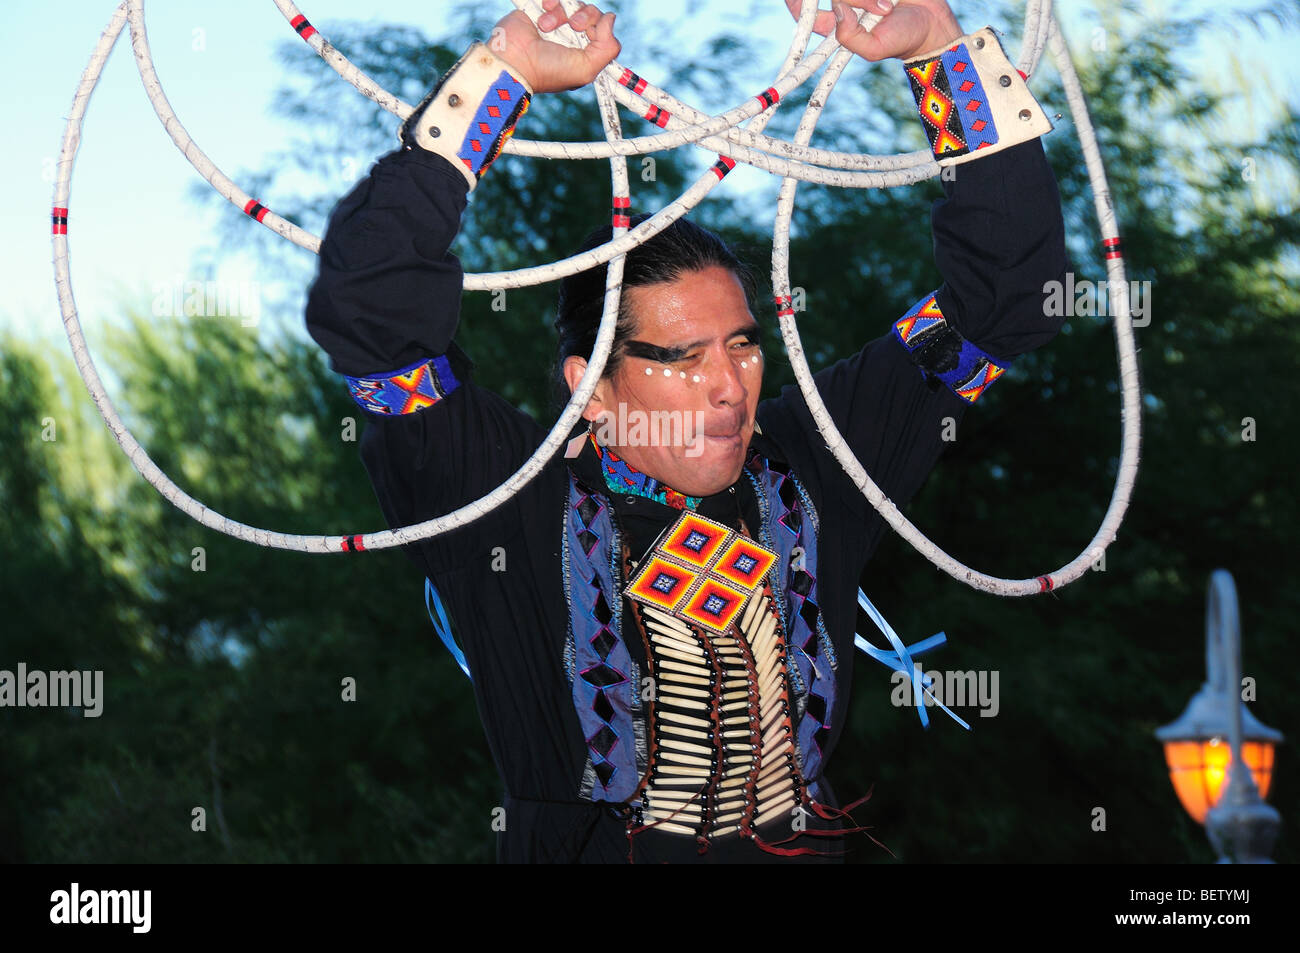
x: 1216, y: 738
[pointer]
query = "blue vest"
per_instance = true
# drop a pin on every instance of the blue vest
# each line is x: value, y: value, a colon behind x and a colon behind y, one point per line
x: 606, y: 681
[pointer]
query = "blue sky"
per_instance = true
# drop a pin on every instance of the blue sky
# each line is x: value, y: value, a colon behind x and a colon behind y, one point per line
x: 132, y: 223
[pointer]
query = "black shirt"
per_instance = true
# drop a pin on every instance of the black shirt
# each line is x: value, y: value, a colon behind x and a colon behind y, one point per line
x: 387, y: 294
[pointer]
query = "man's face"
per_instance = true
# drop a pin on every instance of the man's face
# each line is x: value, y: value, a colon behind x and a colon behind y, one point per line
x: 696, y: 356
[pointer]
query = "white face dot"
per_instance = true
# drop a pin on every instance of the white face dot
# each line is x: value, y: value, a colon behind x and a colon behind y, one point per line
x: 683, y: 375
x: 668, y: 372
x: 695, y: 378
x: 743, y: 364
x: 648, y: 371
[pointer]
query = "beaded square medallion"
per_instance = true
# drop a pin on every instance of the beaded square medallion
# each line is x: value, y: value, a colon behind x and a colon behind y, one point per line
x: 701, y: 571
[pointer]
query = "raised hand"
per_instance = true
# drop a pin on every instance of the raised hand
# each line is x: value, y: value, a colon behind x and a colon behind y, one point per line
x: 907, y: 28
x: 548, y: 66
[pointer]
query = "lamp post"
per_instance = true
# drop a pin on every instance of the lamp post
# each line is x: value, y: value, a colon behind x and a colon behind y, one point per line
x: 1217, y: 738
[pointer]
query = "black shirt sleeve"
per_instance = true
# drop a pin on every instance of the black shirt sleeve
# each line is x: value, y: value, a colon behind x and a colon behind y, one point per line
x: 387, y: 294
x: 998, y: 237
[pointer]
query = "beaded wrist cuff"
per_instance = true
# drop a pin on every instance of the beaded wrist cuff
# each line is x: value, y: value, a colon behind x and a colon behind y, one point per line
x: 470, y: 113
x: 944, y: 355
x: 971, y: 99
x: 407, y: 390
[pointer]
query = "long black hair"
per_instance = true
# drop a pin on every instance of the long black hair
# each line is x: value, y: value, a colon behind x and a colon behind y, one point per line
x: 680, y: 248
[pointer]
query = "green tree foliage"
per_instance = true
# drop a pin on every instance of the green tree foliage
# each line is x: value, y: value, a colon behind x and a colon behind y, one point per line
x: 224, y: 685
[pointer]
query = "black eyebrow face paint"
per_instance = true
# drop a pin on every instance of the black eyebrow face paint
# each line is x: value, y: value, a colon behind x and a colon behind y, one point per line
x: 667, y: 355
x: 653, y: 352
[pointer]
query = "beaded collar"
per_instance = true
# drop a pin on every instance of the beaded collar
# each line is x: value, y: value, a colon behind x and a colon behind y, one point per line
x: 622, y: 478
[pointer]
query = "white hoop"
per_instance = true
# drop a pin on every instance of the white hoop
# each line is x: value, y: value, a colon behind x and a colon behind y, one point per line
x: 794, y: 161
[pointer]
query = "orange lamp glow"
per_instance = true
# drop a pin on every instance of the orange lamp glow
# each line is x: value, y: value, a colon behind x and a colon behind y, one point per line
x: 1198, y: 769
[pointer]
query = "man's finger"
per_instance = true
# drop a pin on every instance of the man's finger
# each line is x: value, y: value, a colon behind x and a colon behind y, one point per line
x: 583, y: 20
x: 585, y: 17
x: 553, y: 16
x: 603, y: 47
x: 852, y: 34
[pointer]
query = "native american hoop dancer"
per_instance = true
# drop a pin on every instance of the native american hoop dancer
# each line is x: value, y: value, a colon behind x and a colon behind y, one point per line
x: 663, y: 671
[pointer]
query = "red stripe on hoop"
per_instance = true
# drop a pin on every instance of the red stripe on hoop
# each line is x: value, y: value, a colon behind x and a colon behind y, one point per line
x: 353, y: 544
x: 1044, y: 583
x: 632, y: 81
x: 255, y: 209
x: 658, y: 116
x: 723, y: 166
x: 305, y: 29
x: 1112, y: 246
x: 59, y: 220
x: 622, y: 206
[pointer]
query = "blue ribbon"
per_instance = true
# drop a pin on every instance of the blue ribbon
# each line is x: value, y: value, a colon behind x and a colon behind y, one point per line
x: 443, y: 626
x: 900, y: 660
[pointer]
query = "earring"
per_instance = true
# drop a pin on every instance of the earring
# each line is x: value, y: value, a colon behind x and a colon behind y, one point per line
x: 576, y: 444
